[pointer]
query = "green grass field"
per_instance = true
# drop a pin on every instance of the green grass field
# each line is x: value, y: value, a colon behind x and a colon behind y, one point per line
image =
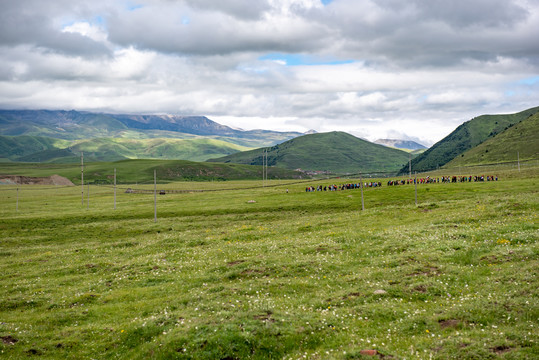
x: 290, y: 276
x: 142, y: 171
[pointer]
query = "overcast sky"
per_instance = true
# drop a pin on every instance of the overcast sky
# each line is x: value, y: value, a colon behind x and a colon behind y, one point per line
x: 410, y: 69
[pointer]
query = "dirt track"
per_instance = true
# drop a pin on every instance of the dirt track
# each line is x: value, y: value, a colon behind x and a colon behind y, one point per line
x: 26, y: 180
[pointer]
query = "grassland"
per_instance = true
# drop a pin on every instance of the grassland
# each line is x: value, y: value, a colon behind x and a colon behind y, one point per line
x: 292, y: 275
x: 142, y: 171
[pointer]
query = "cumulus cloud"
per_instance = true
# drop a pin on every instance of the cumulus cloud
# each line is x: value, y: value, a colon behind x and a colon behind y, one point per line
x: 31, y: 23
x: 414, y: 69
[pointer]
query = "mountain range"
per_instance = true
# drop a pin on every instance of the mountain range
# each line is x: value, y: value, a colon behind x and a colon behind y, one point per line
x: 72, y: 125
x: 60, y: 136
x: 401, y: 144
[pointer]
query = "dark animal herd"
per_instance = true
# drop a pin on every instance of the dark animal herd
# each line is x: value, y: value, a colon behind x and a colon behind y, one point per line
x: 425, y: 180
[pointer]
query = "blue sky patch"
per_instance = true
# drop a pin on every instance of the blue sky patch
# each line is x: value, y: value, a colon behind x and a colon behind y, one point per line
x: 326, y: 2
x: 530, y: 81
x: 132, y: 6
x: 300, y: 59
x: 99, y: 20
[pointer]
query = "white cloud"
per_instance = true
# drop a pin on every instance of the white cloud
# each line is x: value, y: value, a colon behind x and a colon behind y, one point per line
x: 418, y: 68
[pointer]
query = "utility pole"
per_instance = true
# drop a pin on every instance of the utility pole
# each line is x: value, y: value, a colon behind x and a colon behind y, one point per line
x: 114, y: 188
x: 415, y: 181
x: 82, y: 176
x: 154, y: 196
x: 264, y: 167
x: 361, y: 184
x: 410, y: 164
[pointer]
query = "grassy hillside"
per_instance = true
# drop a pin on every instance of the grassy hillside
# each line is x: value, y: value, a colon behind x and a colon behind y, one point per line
x: 141, y: 171
x: 291, y: 276
x: 68, y: 125
x: 465, y: 137
x: 337, y: 152
x: 42, y: 149
x: 79, y: 125
x: 191, y: 149
x: 20, y: 146
x: 522, y: 138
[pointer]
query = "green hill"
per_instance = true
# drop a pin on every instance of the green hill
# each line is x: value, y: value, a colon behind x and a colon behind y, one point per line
x: 465, y: 137
x: 80, y: 125
x: 337, y: 152
x: 15, y: 147
x: 43, y: 149
x: 521, y: 138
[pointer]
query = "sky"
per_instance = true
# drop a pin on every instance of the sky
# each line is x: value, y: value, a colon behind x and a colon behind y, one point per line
x: 402, y: 69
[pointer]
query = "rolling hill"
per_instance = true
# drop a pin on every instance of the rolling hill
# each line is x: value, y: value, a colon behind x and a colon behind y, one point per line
x: 336, y: 152
x: 15, y: 147
x: 78, y: 125
x: 465, y: 137
x: 60, y: 136
x: 42, y: 149
x: 521, y: 138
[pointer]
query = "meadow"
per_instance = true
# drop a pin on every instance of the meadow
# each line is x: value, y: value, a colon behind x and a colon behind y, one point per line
x: 251, y: 272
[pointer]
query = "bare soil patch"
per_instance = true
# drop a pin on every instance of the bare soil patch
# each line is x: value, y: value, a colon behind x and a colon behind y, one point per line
x: 27, y: 180
x: 450, y: 323
x: 9, y: 340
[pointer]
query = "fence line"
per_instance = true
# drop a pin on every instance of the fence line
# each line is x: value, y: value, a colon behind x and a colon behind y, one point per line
x: 383, y: 174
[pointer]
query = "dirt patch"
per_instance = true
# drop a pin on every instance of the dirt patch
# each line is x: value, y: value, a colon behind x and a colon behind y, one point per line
x: 27, y: 180
x: 232, y: 263
x: 502, y: 349
x: 374, y: 354
x: 265, y: 317
x: 351, y: 295
x: 426, y: 271
x: 9, y: 340
x: 450, y: 323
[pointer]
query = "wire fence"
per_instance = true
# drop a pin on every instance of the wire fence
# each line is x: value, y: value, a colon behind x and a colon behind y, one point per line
x: 456, y: 170
x: 360, y: 180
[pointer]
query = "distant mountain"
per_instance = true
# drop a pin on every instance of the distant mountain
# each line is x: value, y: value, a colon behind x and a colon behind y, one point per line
x: 42, y: 149
x: 465, y: 137
x: 73, y: 125
x: 400, y: 144
x: 60, y: 136
x: 337, y: 152
x: 521, y: 138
